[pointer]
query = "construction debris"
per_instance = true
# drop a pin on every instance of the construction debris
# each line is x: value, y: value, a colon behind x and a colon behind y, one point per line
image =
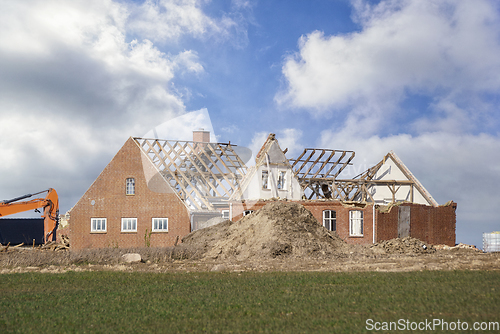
x: 459, y: 246
x: 407, y: 245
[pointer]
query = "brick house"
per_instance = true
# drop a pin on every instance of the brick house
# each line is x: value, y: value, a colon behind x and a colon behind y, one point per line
x: 128, y: 205
x: 156, y: 191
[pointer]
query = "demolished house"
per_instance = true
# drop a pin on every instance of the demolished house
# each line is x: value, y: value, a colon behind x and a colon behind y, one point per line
x: 154, y: 192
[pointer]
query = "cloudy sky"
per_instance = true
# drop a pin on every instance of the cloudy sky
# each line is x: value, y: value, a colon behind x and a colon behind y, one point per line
x: 420, y: 77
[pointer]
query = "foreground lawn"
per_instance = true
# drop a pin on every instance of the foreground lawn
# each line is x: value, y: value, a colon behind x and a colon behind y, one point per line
x: 114, y: 302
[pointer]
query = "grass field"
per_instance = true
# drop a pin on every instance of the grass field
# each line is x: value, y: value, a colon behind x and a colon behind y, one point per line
x: 298, y: 302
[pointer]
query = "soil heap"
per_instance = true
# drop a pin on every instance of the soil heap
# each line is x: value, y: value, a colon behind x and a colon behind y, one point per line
x: 278, y: 230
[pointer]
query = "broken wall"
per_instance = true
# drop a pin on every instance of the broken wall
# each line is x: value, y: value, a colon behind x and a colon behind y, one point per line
x: 434, y: 225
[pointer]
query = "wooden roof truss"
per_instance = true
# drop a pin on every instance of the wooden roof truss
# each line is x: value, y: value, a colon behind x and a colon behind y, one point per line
x: 318, y: 169
x: 315, y: 168
x: 201, y: 173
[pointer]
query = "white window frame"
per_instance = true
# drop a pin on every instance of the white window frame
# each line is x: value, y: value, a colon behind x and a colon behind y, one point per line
x: 160, y: 226
x: 327, y: 221
x: 225, y: 214
x: 281, y: 184
x: 130, y: 186
x: 129, y: 224
x: 265, y: 179
x: 98, y: 225
x: 356, y: 223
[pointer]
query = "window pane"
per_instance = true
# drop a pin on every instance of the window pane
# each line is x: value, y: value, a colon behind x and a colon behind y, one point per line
x: 130, y: 186
x: 265, y: 178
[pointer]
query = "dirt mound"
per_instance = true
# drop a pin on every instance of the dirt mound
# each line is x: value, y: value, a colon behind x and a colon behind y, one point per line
x: 407, y: 245
x: 278, y: 230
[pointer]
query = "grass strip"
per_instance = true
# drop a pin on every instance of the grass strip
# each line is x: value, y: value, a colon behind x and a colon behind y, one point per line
x: 279, y: 302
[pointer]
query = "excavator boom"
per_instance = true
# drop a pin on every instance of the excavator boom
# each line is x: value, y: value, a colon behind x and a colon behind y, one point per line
x: 50, y: 205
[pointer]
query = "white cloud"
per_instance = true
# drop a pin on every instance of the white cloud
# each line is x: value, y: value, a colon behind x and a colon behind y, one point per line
x: 76, y: 81
x: 165, y: 20
x: 446, y: 50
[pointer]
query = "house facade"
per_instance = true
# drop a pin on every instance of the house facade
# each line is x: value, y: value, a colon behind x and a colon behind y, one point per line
x: 128, y: 205
x: 154, y: 192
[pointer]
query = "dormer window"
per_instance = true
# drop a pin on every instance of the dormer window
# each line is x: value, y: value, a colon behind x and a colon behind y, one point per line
x: 130, y: 186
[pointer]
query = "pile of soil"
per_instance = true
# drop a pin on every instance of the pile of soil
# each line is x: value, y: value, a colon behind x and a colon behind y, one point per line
x: 407, y: 245
x: 278, y: 230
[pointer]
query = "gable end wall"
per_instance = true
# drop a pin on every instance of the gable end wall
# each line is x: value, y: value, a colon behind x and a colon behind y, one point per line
x: 111, y: 202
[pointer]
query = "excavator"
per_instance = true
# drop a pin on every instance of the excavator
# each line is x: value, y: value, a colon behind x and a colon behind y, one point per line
x: 50, y: 205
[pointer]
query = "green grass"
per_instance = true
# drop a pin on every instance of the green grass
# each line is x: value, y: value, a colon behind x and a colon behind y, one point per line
x: 113, y: 302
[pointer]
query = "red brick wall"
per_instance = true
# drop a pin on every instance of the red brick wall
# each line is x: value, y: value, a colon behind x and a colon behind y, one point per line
x: 111, y: 202
x: 434, y: 225
x: 317, y: 207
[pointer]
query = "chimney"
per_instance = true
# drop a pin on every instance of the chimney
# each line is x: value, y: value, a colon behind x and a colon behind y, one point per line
x: 201, y: 136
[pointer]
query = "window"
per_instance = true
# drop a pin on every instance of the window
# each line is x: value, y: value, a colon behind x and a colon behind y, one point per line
x: 129, y: 224
x: 130, y: 186
x: 225, y: 214
x: 330, y: 220
x: 281, y: 180
x: 265, y: 179
x: 160, y: 225
x: 356, y: 223
x: 98, y: 225
x: 247, y: 212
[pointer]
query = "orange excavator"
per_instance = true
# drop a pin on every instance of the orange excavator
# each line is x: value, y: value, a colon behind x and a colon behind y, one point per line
x: 50, y: 205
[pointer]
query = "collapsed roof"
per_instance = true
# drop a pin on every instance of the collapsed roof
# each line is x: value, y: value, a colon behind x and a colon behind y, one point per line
x: 205, y: 174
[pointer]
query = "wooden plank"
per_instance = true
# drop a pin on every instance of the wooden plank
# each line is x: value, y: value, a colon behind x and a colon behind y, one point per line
x: 198, y: 170
x: 220, y: 171
x: 188, y: 182
x: 306, y: 161
x: 314, y: 163
x: 323, y: 165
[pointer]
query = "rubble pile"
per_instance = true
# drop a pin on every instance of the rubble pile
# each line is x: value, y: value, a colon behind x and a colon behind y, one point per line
x: 459, y: 246
x: 279, y: 230
x: 406, y: 245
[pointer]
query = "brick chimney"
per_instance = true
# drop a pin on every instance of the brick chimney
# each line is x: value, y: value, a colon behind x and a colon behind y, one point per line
x: 201, y: 136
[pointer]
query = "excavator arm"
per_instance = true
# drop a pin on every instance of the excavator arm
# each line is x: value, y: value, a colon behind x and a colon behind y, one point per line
x: 49, y: 204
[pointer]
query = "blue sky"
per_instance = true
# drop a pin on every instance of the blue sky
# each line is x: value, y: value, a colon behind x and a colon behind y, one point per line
x: 419, y: 77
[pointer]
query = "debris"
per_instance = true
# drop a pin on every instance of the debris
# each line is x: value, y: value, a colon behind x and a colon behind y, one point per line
x: 406, y: 245
x: 54, y: 246
x: 459, y: 246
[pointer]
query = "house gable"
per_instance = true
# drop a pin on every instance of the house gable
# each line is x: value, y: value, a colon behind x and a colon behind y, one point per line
x: 106, y: 199
x: 271, y: 177
x: 391, y: 168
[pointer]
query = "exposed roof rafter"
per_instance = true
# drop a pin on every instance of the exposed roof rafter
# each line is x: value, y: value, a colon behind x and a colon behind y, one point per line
x: 200, y: 173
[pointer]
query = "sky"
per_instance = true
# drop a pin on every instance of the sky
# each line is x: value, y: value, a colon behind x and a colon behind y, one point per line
x: 419, y: 77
